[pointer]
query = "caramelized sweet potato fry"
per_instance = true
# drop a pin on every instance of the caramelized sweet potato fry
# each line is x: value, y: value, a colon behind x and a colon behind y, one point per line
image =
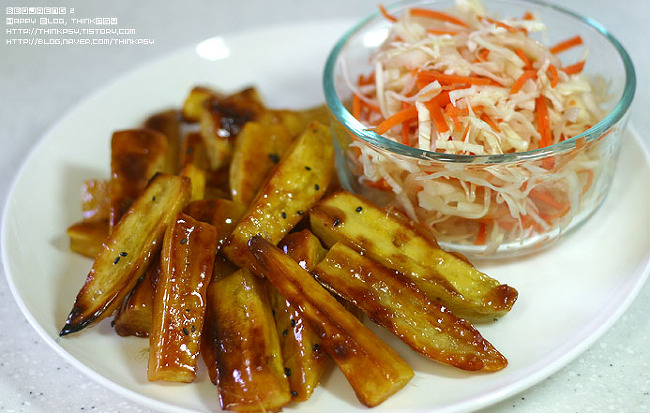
x: 187, y: 258
x: 251, y: 377
x: 168, y: 123
x: 193, y: 151
x: 373, y: 369
x: 209, y: 340
x: 297, y: 183
x: 296, y: 121
x: 193, y: 105
x: 197, y: 177
x: 257, y: 150
x: 135, y: 315
x: 394, y: 302
x: 87, y: 237
x: 136, y: 155
x: 361, y: 225
x: 304, y: 358
x: 127, y: 252
x: 95, y: 201
x: 221, y: 120
x: 223, y: 214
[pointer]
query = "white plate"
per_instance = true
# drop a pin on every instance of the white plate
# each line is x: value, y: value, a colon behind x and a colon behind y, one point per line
x: 569, y: 295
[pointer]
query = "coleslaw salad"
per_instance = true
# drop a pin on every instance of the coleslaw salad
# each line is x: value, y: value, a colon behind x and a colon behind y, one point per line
x: 463, y: 82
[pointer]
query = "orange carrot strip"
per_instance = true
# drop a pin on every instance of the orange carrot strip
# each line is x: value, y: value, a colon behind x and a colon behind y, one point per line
x: 454, y: 112
x: 554, y: 77
x: 481, y: 237
x: 366, y: 80
x: 548, y: 163
x: 406, y: 132
x: 485, y: 118
x: 357, y: 106
x: 519, y: 83
x: 380, y: 184
x: 483, y: 54
x: 435, y: 109
x: 438, y: 15
x: 522, y: 56
x: 397, y: 118
x: 387, y: 15
x: 442, y: 98
x: 566, y: 44
x: 438, y: 32
x: 431, y: 76
x: 590, y: 180
x: 574, y: 68
x: 547, y: 198
x: 528, y: 16
x: 543, y: 121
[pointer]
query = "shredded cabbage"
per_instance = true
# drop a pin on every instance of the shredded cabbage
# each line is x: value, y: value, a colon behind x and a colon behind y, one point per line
x: 466, y: 83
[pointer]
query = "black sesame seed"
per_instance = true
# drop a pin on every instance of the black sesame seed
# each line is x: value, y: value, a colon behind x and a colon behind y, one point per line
x: 285, y: 332
x: 116, y: 260
x: 316, y: 187
x: 183, y: 241
x: 123, y: 254
x: 308, y: 168
x: 315, y: 347
x: 193, y: 328
x: 358, y: 209
x: 154, y: 198
x: 294, y: 393
x: 274, y: 157
x: 336, y: 222
x: 301, y: 212
x: 287, y: 371
x: 284, y: 214
x: 185, y: 331
x: 293, y: 323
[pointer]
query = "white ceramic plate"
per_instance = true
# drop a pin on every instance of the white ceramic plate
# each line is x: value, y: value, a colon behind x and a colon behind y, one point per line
x: 569, y: 295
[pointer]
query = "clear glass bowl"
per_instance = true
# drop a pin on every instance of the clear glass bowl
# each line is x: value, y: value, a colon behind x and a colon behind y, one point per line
x: 514, y: 186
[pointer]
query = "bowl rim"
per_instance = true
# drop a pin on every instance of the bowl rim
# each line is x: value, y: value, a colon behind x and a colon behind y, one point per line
x: 343, y: 116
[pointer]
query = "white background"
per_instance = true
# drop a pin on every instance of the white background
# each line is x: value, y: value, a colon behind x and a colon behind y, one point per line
x: 39, y: 84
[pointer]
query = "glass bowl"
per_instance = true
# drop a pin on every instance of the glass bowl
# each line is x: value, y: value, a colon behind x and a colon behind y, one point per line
x: 512, y: 203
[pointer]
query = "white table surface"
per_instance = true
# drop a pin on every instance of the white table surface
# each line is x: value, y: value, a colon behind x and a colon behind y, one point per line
x: 39, y: 84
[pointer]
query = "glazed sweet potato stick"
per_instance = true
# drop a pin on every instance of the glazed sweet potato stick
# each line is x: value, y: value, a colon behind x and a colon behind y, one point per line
x: 257, y: 150
x: 136, y: 155
x: 394, y: 302
x: 445, y: 277
x: 304, y: 359
x: 87, y: 237
x: 373, y: 369
x: 246, y: 348
x: 136, y: 312
x: 127, y: 252
x: 168, y: 123
x: 292, y: 188
x: 187, y: 258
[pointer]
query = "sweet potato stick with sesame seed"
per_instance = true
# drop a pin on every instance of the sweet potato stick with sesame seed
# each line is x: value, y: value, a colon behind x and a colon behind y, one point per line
x: 297, y: 182
x: 443, y: 276
x: 187, y: 258
x: 373, y: 369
